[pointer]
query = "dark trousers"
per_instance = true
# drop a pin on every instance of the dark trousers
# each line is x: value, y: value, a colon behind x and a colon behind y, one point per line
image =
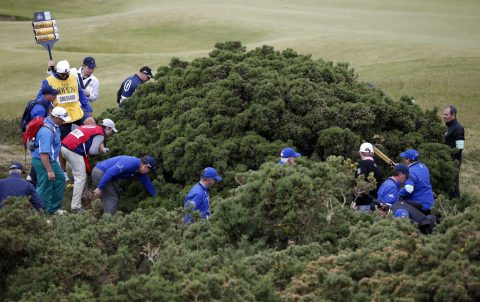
x: 456, y: 190
x: 110, y: 193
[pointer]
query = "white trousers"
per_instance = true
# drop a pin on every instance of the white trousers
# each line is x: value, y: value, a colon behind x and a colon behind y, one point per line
x: 79, y: 172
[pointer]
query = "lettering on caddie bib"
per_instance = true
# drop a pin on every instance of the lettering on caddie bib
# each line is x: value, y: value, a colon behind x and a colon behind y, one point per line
x: 66, y: 98
x: 77, y: 133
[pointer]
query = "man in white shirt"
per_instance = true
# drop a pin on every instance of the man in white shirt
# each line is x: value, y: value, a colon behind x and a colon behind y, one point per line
x: 88, y: 82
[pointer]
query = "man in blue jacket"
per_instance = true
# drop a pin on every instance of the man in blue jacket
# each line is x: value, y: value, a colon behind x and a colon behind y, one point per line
x: 417, y: 187
x: 16, y: 186
x: 121, y: 167
x: 129, y: 86
x: 44, y: 103
x: 198, y: 198
x: 388, y: 191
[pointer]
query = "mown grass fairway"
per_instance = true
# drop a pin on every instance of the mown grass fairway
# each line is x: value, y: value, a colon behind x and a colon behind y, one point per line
x: 427, y: 49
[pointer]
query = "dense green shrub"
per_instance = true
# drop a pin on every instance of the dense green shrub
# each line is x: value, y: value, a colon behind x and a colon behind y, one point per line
x: 236, y: 109
x: 277, y: 233
x: 150, y: 255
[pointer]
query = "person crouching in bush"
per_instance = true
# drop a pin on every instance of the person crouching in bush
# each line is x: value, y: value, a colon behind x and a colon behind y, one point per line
x: 121, y: 167
x: 198, y: 199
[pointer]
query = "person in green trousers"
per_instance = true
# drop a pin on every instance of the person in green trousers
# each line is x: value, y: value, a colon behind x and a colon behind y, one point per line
x: 50, y: 178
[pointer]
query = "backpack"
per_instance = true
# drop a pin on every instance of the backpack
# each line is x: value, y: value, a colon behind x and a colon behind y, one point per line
x: 31, y: 130
x: 26, y: 113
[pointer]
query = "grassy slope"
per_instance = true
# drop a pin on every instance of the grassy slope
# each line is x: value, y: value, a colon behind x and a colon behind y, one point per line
x: 429, y: 49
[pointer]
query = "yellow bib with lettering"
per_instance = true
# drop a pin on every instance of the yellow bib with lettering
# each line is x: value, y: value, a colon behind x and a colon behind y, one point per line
x: 68, y: 96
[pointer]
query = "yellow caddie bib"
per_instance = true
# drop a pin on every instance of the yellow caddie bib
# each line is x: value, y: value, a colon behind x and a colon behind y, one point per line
x: 68, y: 96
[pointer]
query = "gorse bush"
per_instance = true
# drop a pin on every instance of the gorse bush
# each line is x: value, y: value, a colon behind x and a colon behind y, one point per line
x: 262, y: 243
x: 276, y: 233
x: 236, y: 109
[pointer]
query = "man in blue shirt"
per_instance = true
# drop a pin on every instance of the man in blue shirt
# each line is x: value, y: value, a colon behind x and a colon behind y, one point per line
x: 16, y: 186
x: 129, y: 86
x: 417, y: 187
x: 198, y: 198
x: 121, y: 167
x: 45, y: 102
x: 288, y: 156
x: 41, y: 108
x: 51, y: 181
x: 388, y: 191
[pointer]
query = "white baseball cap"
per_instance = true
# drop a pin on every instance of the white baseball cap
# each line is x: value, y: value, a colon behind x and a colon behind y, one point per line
x: 63, y: 66
x: 61, y: 113
x: 109, y: 123
x: 366, y: 147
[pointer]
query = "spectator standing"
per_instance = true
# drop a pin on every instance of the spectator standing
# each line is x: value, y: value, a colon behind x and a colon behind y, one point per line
x: 108, y: 171
x: 16, y: 186
x: 455, y: 139
x: 129, y: 86
x: 88, y: 81
x: 76, y: 148
x: 51, y: 180
x: 198, y: 198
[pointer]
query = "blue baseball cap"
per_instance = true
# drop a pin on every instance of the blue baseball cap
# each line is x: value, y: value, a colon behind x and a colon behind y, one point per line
x: 49, y: 90
x: 210, y: 172
x: 289, y: 152
x: 401, y: 168
x: 150, y: 161
x: 90, y: 62
x: 16, y: 166
x: 401, y: 213
x: 410, y: 154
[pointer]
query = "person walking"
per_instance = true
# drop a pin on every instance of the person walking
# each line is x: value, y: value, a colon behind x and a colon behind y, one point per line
x: 367, y: 166
x: 288, y: 156
x: 106, y: 173
x: 44, y: 104
x: 417, y: 187
x: 41, y: 108
x: 50, y: 177
x: 129, y: 86
x: 76, y: 148
x: 16, y: 186
x: 88, y: 81
x: 70, y: 97
x: 455, y: 139
x: 198, y: 198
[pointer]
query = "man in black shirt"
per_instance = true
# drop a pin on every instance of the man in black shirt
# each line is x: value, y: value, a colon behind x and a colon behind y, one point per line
x: 367, y: 165
x: 455, y: 138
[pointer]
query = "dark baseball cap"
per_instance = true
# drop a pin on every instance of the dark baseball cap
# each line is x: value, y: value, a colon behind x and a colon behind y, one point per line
x: 49, y: 90
x: 90, y: 62
x: 146, y: 70
x: 401, y: 168
x: 150, y: 161
x: 16, y: 166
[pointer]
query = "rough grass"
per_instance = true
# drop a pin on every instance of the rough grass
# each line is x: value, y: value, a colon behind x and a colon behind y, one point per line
x: 427, y: 49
